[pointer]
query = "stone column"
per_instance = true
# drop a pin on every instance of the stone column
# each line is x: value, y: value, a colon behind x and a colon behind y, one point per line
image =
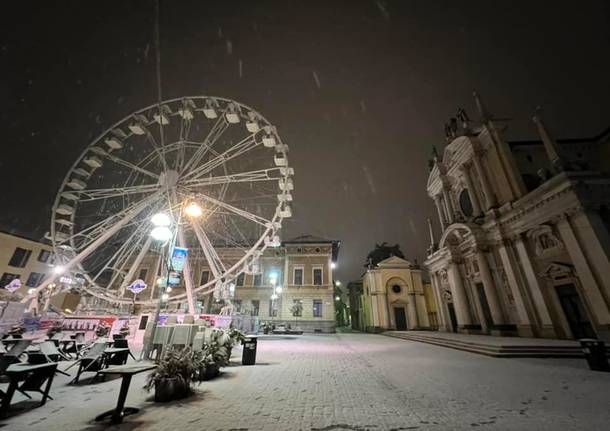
x: 534, y: 285
x: 524, y: 324
x: 595, y: 239
x: 412, y: 312
x: 448, y: 205
x: 490, y: 289
x: 460, y: 299
x: 590, y: 286
x: 439, y: 209
x: 472, y: 193
x: 490, y: 197
x: 443, y: 319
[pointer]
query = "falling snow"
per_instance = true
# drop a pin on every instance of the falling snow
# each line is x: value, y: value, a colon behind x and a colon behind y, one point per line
x: 316, y: 78
x: 383, y: 9
x: 369, y: 179
x: 363, y: 106
x: 229, y: 47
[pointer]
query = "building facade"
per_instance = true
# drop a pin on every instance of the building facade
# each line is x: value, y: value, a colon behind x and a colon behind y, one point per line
x: 31, y: 261
x: 525, y: 238
x: 293, y: 285
x: 392, y: 296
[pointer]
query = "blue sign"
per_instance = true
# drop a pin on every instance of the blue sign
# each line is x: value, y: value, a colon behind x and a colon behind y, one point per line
x: 179, y: 256
x: 174, y: 278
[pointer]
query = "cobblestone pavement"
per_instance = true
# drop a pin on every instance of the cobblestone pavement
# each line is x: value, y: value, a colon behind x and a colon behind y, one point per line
x: 353, y: 382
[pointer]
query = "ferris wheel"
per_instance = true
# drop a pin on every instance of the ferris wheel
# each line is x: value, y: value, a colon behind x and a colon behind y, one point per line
x: 219, y: 153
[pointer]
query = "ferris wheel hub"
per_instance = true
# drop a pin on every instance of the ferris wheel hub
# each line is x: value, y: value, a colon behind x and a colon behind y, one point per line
x: 169, y: 179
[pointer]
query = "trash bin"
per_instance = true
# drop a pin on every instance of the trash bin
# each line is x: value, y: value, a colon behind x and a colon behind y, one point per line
x: 249, y: 354
x: 595, y: 354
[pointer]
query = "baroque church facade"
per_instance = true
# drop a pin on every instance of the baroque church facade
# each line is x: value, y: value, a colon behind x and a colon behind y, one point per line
x: 525, y: 243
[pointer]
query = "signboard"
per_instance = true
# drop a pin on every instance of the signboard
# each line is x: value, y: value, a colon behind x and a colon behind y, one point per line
x: 137, y: 286
x: 14, y: 285
x: 174, y: 278
x: 179, y: 256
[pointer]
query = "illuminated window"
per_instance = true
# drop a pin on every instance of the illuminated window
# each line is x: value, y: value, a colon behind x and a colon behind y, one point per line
x: 317, y: 308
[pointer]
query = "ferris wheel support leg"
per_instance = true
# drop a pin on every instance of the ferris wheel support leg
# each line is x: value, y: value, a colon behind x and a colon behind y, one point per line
x: 91, y: 247
x: 134, y: 266
x: 188, y: 280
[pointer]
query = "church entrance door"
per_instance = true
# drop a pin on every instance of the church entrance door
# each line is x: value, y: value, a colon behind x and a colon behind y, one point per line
x: 400, y: 318
x: 575, y: 311
x: 454, y: 324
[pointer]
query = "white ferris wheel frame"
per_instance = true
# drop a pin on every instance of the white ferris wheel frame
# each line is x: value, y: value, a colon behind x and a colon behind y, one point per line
x: 71, y: 261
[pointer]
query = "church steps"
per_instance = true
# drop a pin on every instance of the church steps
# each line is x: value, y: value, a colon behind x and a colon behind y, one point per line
x: 494, y: 350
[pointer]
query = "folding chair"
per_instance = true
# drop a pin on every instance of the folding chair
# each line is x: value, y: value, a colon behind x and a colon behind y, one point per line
x: 181, y: 336
x: 35, y: 379
x: 48, y: 354
x: 50, y: 350
x: 93, y: 361
x: 122, y: 343
x: 198, y: 341
x: 162, y: 336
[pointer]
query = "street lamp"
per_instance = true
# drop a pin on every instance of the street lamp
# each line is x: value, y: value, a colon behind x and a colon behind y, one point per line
x: 333, y: 265
x: 163, y: 233
x: 193, y: 210
x: 58, y: 269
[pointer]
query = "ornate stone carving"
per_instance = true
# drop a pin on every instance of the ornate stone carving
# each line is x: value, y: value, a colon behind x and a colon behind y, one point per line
x: 545, y: 241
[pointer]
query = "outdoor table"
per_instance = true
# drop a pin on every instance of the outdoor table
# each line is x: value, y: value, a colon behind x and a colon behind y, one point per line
x: 126, y: 372
x: 17, y: 373
x: 113, y: 350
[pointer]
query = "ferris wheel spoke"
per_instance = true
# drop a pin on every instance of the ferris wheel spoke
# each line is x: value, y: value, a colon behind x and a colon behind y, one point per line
x: 243, y: 213
x: 213, y: 135
x: 130, y: 165
x: 186, y: 272
x: 116, y: 263
x: 158, y: 148
x: 76, y: 260
x: 90, y: 233
x: 244, y: 177
x: 94, y: 194
x: 243, y: 146
x: 214, y: 261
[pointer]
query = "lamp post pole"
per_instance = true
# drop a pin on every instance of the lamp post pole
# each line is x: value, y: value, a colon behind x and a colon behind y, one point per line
x: 168, y: 262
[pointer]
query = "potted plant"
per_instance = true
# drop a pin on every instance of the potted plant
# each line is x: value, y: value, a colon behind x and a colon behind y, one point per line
x: 209, y: 368
x: 174, y: 373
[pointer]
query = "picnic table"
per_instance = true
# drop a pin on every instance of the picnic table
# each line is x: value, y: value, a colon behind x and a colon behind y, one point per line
x: 126, y: 372
x: 33, y: 377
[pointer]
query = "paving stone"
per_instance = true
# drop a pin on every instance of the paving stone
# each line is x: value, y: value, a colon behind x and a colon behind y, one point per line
x: 353, y: 382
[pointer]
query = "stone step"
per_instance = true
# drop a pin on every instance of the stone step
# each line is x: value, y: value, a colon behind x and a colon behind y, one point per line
x: 494, y: 350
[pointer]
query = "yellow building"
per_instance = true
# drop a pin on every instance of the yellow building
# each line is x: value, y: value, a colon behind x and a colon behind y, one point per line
x: 30, y: 261
x: 394, y: 296
x: 300, y: 267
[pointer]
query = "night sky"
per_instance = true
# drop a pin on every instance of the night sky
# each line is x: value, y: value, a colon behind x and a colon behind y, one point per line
x: 360, y: 91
